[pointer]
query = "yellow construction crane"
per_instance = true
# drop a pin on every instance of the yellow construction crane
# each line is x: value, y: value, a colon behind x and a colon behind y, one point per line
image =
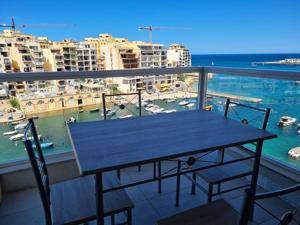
x: 151, y: 28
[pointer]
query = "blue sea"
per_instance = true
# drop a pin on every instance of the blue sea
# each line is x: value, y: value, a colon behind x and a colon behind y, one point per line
x: 283, y: 97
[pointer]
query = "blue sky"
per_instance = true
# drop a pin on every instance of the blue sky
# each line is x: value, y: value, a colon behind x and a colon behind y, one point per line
x: 217, y: 26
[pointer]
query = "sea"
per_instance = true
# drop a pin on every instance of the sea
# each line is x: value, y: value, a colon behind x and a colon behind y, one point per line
x: 283, y: 97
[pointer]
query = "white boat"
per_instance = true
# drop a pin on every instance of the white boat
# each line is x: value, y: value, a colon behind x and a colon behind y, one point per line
x: 20, y: 126
x: 298, y: 128
x: 16, y: 137
x: 71, y: 120
x: 294, y: 152
x: 190, y: 105
x: 110, y: 112
x: 94, y: 110
x: 170, y: 100
x: 170, y: 111
x: 31, y: 138
x: 182, y: 103
x: 286, y: 121
x: 126, y: 116
x: 143, y: 104
x: 10, y: 132
x: 150, y: 105
x: 298, y: 82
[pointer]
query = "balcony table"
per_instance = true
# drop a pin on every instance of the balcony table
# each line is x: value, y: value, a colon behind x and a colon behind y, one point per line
x: 102, y: 146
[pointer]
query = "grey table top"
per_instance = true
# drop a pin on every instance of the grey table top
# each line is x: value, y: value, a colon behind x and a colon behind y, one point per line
x: 107, y: 145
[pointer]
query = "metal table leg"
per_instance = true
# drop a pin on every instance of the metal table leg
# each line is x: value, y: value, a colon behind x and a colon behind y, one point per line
x: 99, y: 199
x: 254, y: 179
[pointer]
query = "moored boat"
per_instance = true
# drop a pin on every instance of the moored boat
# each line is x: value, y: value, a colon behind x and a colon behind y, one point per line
x: 170, y: 100
x: 190, y: 105
x: 294, y: 152
x: 298, y: 128
x: 10, y: 132
x: 71, y: 120
x: 94, y: 110
x: 110, y: 112
x: 20, y: 126
x: 183, y: 103
x: 126, y: 116
x: 170, y: 111
x: 286, y: 121
x: 16, y: 137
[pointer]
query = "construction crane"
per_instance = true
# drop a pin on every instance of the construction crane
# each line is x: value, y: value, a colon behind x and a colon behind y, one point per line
x: 12, y: 25
x: 151, y: 28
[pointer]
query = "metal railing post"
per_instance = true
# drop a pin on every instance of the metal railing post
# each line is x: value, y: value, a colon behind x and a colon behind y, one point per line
x: 202, y: 88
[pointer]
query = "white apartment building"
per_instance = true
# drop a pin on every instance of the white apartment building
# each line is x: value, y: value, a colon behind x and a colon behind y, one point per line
x: 178, y: 56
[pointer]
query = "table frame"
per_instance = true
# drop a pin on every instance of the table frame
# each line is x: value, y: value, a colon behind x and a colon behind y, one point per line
x: 100, y: 191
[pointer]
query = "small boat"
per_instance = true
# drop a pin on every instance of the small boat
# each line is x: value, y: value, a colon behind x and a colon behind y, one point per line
x: 71, y: 120
x: 297, y: 82
x: 190, y: 105
x: 170, y: 111
x: 298, y: 128
x: 94, y: 110
x: 183, y: 103
x: 143, y: 104
x: 39, y: 137
x: 34, y: 117
x: 286, y: 121
x: 44, y: 145
x: 110, y: 112
x: 126, y: 116
x: 20, y: 126
x: 15, y: 123
x: 294, y: 152
x: 16, y: 137
x: 80, y: 110
x: 170, y: 100
x: 10, y: 132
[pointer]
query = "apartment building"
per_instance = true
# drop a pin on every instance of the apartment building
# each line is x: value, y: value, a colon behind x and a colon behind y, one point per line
x: 98, y: 43
x: 178, y: 56
x: 68, y: 49
x: 86, y: 57
x: 5, y: 63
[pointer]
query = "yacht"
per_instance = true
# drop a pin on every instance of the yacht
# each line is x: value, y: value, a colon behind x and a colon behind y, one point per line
x: 16, y: 137
x: 71, y: 120
x: 20, y: 126
x: 126, y: 116
x: 170, y: 100
x: 10, y: 132
x: 170, y: 111
x: 190, y: 105
x: 94, y: 110
x: 294, y: 152
x: 183, y: 103
x: 110, y: 112
x: 286, y: 121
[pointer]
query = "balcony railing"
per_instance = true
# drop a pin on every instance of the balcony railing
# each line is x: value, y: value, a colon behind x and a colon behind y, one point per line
x: 202, y: 73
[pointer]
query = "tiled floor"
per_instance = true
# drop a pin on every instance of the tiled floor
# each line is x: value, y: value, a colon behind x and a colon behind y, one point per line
x: 24, y: 207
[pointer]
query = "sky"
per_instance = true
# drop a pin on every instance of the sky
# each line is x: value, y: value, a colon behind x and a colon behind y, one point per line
x: 204, y: 26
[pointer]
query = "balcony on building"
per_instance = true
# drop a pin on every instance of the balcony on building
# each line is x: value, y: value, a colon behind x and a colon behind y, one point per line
x: 19, y: 196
